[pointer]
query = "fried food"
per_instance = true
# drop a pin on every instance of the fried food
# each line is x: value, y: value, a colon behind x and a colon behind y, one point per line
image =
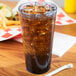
x: 7, y: 18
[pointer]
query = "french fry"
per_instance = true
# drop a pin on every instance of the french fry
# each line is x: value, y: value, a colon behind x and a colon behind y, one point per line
x: 12, y: 26
x: 0, y: 25
x: 11, y: 22
x: 3, y: 19
x: 5, y: 22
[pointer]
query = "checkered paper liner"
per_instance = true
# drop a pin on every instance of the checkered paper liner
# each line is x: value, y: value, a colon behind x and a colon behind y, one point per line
x: 61, y: 19
x: 9, y: 33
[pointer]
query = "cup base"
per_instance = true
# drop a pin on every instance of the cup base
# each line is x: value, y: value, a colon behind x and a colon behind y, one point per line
x: 39, y: 72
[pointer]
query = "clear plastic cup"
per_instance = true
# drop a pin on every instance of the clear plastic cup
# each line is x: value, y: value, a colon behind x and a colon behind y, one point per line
x: 38, y: 22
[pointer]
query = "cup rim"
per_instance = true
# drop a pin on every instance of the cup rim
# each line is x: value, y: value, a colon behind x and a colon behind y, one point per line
x: 53, y: 11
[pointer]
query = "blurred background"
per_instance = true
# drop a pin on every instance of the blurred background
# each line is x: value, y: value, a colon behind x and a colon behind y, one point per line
x: 59, y: 2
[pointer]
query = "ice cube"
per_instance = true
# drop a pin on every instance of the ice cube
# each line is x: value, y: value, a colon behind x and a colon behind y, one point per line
x: 28, y: 9
x: 40, y: 9
x: 47, y: 29
x: 47, y: 7
x: 42, y: 33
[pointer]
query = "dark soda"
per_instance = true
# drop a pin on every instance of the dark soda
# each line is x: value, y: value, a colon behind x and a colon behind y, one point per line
x: 38, y: 28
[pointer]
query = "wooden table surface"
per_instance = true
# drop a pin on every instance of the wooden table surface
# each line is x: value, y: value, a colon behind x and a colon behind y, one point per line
x: 12, y: 56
